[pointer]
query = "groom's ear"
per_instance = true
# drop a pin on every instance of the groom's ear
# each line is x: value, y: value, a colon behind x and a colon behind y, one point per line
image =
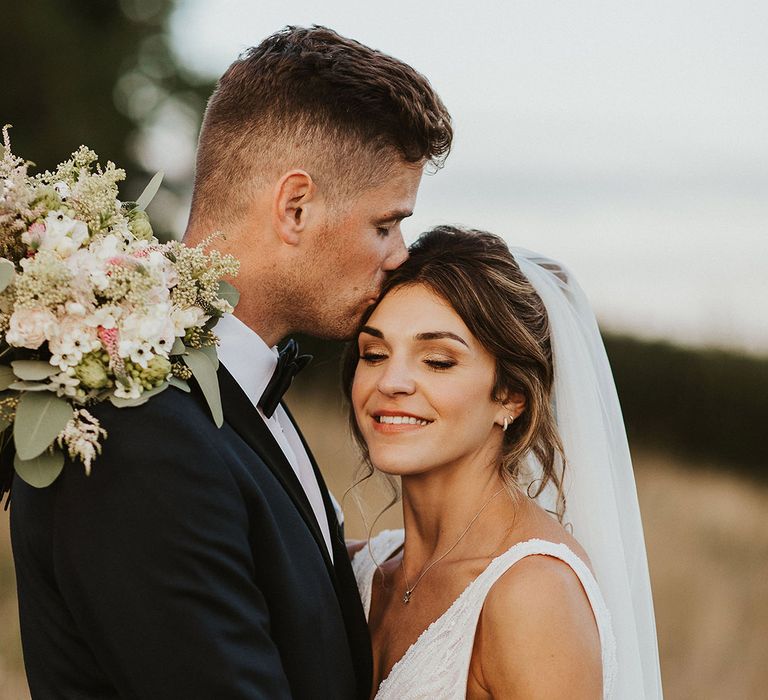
x: 293, y: 203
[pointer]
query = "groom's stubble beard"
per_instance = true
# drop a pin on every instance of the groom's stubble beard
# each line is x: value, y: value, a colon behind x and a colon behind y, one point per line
x: 317, y: 298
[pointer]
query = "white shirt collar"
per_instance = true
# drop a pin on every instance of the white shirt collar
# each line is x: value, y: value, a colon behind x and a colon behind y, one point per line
x: 247, y: 357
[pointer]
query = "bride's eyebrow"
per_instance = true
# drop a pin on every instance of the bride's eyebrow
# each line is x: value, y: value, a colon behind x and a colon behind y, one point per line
x: 370, y: 330
x: 440, y: 335
x: 429, y: 335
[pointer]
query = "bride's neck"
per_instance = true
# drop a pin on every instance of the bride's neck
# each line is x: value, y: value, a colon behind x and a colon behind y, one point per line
x: 437, y: 508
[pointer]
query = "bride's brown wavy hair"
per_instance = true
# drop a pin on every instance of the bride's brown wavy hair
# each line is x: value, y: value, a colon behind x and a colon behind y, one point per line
x: 477, y: 275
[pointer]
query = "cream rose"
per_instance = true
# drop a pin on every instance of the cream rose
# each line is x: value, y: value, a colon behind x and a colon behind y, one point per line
x: 30, y: 328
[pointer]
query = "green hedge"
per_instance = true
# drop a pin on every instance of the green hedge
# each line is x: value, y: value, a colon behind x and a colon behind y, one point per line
x: 700, y: 404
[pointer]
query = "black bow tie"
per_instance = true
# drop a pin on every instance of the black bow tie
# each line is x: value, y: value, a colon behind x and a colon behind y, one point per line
x: 289, y: 364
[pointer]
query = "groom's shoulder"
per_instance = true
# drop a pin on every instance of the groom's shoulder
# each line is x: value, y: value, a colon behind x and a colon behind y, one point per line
x: 169, y: 445
x: 172, y: 422
x: 170, y: 408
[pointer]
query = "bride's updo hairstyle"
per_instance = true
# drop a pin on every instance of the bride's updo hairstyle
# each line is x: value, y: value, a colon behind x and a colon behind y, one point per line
x: 477, y: 275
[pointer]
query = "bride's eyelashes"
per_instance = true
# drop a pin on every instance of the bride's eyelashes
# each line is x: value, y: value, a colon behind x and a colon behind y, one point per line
x: 372, y: 357
x: 439, y: 364
x: 436, y: 363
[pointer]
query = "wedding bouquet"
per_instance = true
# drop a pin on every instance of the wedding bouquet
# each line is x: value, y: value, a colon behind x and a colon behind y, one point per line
x: 92, y: 308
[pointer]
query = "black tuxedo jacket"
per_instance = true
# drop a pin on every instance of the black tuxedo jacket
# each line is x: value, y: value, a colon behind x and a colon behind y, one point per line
x: 188, y: 565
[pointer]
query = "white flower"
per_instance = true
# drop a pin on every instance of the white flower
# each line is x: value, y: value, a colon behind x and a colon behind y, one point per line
x: 63, y: 234
x: 105, y: 248
x: 143, y: 334
x: 139, y: 352
x: 30, y: 328
x: 131, y: 390
x: 223, y: 306
x: 63, y: 189
x: 104, y: 316
x: 64, y: 384
x: 64, y: 359
x: 187, y: 318
x: 75, y: 309
x: 69, y: 340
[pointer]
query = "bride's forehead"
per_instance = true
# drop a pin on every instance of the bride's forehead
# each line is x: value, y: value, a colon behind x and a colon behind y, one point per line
x: 415, y: 309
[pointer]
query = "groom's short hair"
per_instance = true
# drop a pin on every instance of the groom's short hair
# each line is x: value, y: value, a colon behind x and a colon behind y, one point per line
x: 315, y: 100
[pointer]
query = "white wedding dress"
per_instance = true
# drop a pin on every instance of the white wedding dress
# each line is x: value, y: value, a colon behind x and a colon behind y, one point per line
x: 436, y: 666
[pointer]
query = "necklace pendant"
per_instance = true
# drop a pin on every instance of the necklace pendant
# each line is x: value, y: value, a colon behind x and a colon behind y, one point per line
x: 407, y: 597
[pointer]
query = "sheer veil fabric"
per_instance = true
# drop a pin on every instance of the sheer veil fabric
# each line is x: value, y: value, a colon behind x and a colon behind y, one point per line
x: 599, y: 485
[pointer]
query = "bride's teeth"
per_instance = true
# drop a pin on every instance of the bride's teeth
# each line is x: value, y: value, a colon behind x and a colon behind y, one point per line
x: 400, y: 420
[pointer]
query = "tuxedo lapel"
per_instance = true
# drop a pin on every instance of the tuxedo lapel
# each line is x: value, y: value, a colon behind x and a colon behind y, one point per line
x: 337, y: 530
x: 349, y: 597
x: 246, y: 421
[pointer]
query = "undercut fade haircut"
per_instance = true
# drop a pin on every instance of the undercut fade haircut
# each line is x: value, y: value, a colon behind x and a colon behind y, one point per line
x: 311, y: 99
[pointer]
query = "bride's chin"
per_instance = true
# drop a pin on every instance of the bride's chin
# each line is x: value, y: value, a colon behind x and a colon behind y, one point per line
x: 400, y: 468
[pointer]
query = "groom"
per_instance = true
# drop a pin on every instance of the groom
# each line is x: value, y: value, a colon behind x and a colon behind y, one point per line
x: 198, y: 562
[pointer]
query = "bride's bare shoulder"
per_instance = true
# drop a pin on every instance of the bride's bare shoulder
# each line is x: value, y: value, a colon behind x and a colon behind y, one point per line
x: 535, y: 613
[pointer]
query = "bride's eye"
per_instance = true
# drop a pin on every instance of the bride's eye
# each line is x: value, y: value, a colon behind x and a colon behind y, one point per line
x: 439, y: 363
x: 371, y: 357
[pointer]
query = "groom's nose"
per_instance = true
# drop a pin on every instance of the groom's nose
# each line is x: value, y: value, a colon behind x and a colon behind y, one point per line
x: 398, y: 255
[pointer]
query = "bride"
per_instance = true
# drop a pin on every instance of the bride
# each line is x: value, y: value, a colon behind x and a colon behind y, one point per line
x: 480, y: 380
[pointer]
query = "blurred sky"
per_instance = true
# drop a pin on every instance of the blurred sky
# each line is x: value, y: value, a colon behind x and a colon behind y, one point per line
x: 629, y: 139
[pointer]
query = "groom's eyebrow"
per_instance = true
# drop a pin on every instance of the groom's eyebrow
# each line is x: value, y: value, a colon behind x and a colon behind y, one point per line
x: 397, y: 215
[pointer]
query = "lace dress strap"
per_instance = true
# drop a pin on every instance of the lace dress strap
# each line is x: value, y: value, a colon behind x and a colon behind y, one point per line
x: 499, y: 566
x: 370, y: 557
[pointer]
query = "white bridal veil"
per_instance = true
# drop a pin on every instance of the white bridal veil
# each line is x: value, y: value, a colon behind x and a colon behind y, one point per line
x: 601, y: 498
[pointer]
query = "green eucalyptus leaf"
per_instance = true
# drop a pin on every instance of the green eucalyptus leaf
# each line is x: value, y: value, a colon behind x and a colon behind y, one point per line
x: 149, y: 191
x: 7, y: 271
x: 179, y: 383
x: 131, y: 403
x: 33, y: 370
x: 211, y: 354
x: 40, y: 417
x: 205, y: 374
x: 40, y: 471
x: 227, y: 292
x: 7, y: 377
x: 178, y: 347
x: 29, y: 386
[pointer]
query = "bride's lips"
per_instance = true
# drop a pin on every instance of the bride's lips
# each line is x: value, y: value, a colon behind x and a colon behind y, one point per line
x: 389, y: 422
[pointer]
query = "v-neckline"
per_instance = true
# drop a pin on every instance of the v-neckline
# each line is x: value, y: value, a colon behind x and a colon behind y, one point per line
x: 427, y: 629
x: 410, y: 650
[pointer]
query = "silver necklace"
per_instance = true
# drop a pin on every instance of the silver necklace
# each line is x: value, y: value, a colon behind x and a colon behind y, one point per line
x: 410, y: 589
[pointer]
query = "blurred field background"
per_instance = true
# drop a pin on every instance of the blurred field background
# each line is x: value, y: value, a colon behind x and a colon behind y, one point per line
x: 125, y: 78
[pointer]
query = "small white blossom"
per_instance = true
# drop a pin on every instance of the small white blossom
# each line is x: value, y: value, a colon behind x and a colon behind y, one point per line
x: 63, y: 189
x: 64, y: 384
x: 104, y: 316
x: 74, y: 308
x: 131, y: 389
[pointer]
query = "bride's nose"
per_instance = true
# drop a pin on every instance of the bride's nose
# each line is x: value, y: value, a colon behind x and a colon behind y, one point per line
x: 396, y: 378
